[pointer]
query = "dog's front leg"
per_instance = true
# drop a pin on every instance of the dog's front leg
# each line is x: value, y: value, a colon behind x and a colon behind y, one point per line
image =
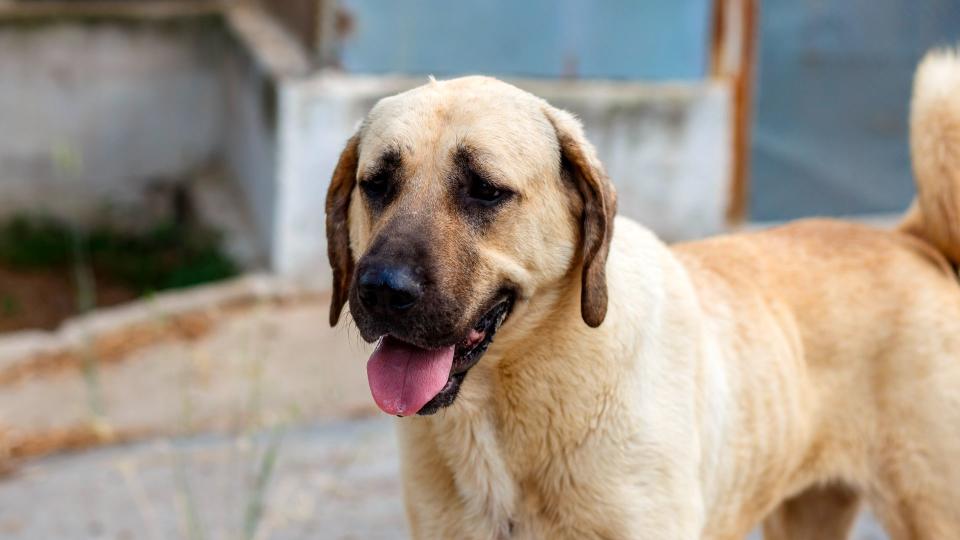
x: 650, y: 496
x: 450, y: 493
x: 650, y: 520
x: 668, y: 504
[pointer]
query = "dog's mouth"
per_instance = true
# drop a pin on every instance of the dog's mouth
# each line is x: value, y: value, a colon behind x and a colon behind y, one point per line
x: 407, y: 379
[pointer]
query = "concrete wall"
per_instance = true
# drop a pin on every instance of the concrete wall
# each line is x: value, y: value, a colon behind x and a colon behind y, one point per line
x: 612, y: 39
x: 833, y: 96
x: 250, y: 105
x: 95, y: 113
x: 148, y: 104
x: 317, y: 116
x: 665, y: 146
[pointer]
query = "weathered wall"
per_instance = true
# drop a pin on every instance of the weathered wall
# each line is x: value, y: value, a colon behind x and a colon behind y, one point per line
x: 151, y: 104
x: 833, y: 97
x: 665, y: 146
x: 249, y: 141
x: 613, y: 39
x: 95, y: 113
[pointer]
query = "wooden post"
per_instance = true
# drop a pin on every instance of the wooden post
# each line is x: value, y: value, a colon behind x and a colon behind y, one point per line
x: 733, y: 55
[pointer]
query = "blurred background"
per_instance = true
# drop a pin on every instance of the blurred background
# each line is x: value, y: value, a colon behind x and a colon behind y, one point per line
x: 166, y: 370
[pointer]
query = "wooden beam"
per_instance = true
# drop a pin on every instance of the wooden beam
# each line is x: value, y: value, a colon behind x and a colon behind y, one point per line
x: 107, y: 9
x: 733, y: 56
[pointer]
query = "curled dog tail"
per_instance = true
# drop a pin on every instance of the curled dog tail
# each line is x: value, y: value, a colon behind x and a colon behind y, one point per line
x: 935, y: 149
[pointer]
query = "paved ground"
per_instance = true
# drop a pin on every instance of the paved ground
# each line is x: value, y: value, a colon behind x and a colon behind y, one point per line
x: 337, y: 481
x: 321, y: 477
x: 334, y: 481
x: 265, y: 364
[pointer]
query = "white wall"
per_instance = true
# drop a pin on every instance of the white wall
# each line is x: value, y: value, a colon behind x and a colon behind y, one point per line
x: 250, y: 141
x: 148, y: 103
x: 666, y: 147
x: 137, y: 103
x: 317, y: 116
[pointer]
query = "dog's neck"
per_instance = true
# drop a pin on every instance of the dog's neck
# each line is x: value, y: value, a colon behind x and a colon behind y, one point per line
x: 511, y: 403
x: 532, y: 395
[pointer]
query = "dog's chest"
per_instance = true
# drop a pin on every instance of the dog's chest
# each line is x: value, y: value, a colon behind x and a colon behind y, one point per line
x: 507, y: 479
x: 526, y: 464
x: 545, y: 475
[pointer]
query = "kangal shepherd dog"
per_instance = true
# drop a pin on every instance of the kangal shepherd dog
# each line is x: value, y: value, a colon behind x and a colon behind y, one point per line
x: 562, y: 373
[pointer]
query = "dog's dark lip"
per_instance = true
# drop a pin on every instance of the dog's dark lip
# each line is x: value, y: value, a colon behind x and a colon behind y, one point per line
x: 465, y: 357
x: 467, y: 354
x: 488, y: 324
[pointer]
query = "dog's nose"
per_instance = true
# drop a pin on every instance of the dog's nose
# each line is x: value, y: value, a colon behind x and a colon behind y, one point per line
x: 388, y: 288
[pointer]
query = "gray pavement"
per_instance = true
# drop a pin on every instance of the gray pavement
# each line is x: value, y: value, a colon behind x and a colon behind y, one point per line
x: 267, y: 365
x: 331, y: 481
x: 336, y: 481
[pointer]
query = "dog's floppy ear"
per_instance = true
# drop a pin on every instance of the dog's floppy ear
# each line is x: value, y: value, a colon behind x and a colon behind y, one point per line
x: 578, y: 160
x: 338, y: 231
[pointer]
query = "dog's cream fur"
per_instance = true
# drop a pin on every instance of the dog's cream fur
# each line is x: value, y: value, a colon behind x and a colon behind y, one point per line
x: 783, y: 375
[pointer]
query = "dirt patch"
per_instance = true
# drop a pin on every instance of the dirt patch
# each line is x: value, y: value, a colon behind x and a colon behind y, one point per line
x: 51, y: 271
x: 248, y: 354
x: 42, y: 299
x: 17, y: 447
x: 113, y: 347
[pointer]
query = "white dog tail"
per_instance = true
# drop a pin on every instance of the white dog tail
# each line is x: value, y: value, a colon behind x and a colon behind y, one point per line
x: 935, y: 148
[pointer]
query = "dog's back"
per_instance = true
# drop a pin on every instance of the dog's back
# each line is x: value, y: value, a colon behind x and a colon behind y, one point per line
x: 846, y: 355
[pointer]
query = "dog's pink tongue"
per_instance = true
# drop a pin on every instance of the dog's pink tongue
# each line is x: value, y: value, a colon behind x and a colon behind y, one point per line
x: 404, y: 377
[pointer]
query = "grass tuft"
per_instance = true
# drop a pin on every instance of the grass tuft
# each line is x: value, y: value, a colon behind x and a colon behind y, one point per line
x: 167, y: 256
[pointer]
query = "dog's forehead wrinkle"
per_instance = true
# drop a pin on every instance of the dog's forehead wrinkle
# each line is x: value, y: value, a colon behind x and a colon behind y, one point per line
x: 377, y: 148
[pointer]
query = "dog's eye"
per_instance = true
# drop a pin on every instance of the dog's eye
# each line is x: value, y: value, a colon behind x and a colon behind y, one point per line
x: 376, y: 186
x: 484, y: 191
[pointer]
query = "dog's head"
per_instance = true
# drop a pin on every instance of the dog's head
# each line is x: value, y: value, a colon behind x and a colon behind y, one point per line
x: 455, y: 205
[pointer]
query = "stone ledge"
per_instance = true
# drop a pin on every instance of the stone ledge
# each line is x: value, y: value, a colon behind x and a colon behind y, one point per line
x: 106, y: 9
x: 19, y: 349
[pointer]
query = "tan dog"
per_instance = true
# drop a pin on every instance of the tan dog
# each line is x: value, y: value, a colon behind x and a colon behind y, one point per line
x: 639, y: 391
